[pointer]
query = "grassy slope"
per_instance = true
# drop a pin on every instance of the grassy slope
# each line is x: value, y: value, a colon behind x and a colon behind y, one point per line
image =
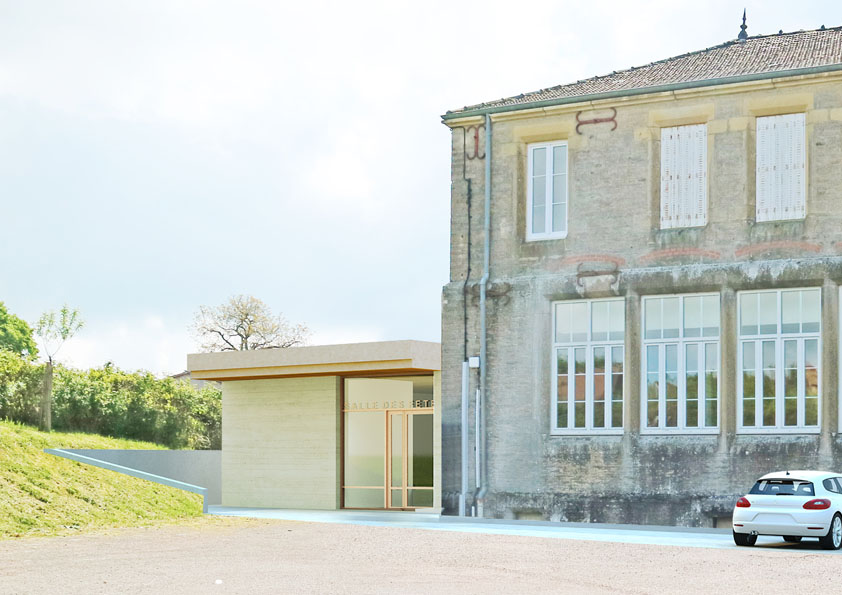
x: 42, y: 494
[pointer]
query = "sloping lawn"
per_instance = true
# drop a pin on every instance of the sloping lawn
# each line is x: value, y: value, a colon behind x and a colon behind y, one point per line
x: 42, y: 494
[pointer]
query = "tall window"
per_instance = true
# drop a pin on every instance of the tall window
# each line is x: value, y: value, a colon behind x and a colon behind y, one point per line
x: 684, y: 152
x: 547, y: 191
x: 780, y: 346
x: 588, y: 366
x: 681, y: 354
x: 781, y: 161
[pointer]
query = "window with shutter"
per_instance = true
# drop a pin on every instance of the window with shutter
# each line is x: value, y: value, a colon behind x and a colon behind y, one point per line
x: 684, y: 176
x: 781, y: 162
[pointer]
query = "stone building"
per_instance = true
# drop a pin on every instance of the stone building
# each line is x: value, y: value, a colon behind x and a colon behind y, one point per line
x: 648, y: 265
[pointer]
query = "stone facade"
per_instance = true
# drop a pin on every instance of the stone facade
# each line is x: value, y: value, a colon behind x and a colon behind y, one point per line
x: 615, y: 247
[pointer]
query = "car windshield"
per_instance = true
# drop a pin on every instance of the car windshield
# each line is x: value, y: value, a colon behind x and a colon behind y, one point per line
x: 783, y: 487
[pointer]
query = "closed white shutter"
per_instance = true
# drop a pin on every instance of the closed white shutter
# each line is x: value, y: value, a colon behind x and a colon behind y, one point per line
x: 781, y: 165
x: 683, y: 176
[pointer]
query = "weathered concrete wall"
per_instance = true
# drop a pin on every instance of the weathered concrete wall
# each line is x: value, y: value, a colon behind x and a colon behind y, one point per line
x: 201, y: 468
x: 280, y: 443
x: 613, y: 224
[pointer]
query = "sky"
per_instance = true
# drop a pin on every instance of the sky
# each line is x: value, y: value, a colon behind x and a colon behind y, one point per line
x: 157, y: 156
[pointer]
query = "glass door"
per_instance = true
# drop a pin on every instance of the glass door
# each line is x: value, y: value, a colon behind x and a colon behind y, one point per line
x: 410, y: 456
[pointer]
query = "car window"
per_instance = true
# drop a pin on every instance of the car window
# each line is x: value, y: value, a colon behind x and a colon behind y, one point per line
x: 838, y: 485
x: 830, y: 485
x: 783, y: 487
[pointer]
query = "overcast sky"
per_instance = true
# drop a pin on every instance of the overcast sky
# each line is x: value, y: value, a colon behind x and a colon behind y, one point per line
x: 157, y: 156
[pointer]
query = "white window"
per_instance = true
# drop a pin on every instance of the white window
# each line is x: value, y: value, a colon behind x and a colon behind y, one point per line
x: 684, y: 151
x: 781, y: 159
x: 547, y: 191
x: 588, y: 366
x: 779, y: 356
x: 681, y: 363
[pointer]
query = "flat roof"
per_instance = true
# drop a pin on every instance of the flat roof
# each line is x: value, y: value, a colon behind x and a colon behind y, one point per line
x: 351, y: 359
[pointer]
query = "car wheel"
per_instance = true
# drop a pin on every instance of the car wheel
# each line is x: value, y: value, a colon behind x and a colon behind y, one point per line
x: 792, y: 538
x: 744, y: 538
x: 833, y: 539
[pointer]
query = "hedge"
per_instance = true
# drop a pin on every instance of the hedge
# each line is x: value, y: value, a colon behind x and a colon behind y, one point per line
x: 113, y: 402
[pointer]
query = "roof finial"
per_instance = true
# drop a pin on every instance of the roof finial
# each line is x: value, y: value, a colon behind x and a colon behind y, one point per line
x: 743, y: 35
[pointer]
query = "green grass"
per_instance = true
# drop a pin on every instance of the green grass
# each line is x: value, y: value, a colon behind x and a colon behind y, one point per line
x: 42, y: 494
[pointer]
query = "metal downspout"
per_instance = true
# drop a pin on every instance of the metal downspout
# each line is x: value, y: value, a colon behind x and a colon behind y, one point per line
x: 463, y: 493
x: 482, y: 487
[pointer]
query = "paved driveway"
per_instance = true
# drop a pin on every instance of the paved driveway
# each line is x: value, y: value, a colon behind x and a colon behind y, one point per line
x: 277, y: 556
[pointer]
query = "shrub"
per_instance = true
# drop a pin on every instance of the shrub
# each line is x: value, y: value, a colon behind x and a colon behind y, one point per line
x: 20, y: 387
x: 113, y: 402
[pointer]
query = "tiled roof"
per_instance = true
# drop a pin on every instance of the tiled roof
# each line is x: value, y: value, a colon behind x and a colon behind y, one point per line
x: 762, y: 54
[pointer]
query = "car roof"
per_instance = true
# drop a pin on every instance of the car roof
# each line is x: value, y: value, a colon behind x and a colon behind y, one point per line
x: 800, y: 474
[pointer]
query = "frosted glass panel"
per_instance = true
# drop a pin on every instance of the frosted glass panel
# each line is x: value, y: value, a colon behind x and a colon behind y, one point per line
x: 365, y: 457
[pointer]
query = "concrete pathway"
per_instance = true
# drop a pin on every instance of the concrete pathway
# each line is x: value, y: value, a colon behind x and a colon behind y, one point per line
x: 638, y: 534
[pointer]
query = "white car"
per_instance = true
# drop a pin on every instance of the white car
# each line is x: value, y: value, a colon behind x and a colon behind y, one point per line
x: 792, y: 505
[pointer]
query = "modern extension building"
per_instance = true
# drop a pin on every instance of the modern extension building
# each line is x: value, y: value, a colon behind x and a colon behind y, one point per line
x: 326, y: 427
x: 647, y: 266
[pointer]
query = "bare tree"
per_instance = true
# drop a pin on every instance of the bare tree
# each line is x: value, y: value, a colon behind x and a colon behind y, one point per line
x: 54, y: 329
x: 245, y: 322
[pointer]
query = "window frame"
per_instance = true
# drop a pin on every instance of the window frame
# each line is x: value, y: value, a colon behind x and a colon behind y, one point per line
x: 589, y: 345
x: 778, y: 339
x: 681, y: 341
x: 548, y: 216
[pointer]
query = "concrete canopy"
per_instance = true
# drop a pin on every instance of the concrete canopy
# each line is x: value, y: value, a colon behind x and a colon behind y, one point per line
x: 383, y: 357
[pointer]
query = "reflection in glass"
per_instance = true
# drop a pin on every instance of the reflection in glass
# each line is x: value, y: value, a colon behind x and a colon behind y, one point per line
x: 617, y: 320
x: 711, y: 384
x: 790, y: 311
x: 691, y: 381
x: 560, y: 159
x: 652, y: 386
x: 364, y: 498
x: 767, y: 313
x: 599, y: 324
x: 748, y: 384
x: 670, y: 321
x: 617, y: 387
x: 420, y: 498
x: 420, y: 455
x: 748, y: 314
x: 579, y: 322
x: 652, y: 317
x: 397, y: 448
x: 562, y: 323
x: 693, y: 316
x: 560, y: 213
x: 710, y: 316
x: 790, y: 383
x: 811, y: 307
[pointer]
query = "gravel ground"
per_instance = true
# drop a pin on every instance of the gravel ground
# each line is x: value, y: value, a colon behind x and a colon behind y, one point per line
x: 249, y: 556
